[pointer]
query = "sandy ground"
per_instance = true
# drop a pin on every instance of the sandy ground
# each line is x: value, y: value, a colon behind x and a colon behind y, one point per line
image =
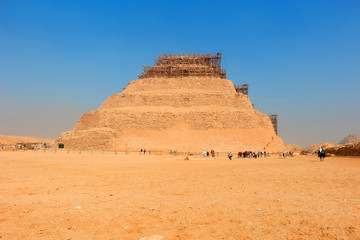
x: 106, y: 196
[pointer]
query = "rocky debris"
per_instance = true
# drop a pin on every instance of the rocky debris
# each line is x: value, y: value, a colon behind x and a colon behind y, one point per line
x: 331, y: 149
x: 314, y: 148
x: 352, y: 138
x: 350, y: 149
x: 293, y: 147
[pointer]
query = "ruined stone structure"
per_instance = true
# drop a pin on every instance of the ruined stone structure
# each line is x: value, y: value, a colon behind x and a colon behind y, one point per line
x: 184, y: 103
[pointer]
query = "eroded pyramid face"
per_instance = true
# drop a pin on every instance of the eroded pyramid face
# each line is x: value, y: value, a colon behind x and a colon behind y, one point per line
x: 182, y: 103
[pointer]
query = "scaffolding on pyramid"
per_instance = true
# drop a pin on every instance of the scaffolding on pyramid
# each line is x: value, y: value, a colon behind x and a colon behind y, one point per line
x: 185, y: 65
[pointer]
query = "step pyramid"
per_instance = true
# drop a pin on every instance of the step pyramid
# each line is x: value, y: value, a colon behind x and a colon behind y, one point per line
x: 183, y: 103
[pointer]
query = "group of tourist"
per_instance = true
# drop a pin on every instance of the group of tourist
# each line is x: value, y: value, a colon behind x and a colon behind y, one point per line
x: 285, y: 154
x: 207, y: 154
x: 249, y: 154
x: 245, y: 154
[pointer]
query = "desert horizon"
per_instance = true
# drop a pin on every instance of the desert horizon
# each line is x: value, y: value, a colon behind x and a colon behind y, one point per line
x: 9, y: 143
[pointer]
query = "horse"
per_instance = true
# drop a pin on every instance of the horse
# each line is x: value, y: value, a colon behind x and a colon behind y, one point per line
x: 321, y: 155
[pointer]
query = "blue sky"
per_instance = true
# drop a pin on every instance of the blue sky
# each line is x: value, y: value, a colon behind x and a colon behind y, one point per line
x: 61, y: 59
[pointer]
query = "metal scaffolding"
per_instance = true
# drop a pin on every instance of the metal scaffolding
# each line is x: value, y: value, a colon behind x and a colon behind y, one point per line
x: 274, y: 121
x: 244, y: 88
x: 185, y: 65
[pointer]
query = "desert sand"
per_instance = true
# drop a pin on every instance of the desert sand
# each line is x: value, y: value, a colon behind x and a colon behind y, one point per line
x: 47, y: 195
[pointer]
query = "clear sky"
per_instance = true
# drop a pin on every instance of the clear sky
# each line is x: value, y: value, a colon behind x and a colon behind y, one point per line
x: 61, y: 59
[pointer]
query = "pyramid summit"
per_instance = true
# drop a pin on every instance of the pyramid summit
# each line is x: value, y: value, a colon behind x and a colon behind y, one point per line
x: 184, y: 103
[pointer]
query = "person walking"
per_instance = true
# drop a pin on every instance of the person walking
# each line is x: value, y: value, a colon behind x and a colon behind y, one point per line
x: 230, y: 155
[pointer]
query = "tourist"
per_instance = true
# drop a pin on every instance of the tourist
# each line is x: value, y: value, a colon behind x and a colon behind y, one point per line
x: 144, y: 151
x: 284, y: 153
x: 230, y: 155
x: 321, y: 154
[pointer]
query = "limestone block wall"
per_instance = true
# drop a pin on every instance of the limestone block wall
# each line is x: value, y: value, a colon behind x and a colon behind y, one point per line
x: 190, y: 114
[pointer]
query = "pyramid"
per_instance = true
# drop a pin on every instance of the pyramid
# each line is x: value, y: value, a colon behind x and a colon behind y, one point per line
x: 351, y: 138
x: 183, y: 103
